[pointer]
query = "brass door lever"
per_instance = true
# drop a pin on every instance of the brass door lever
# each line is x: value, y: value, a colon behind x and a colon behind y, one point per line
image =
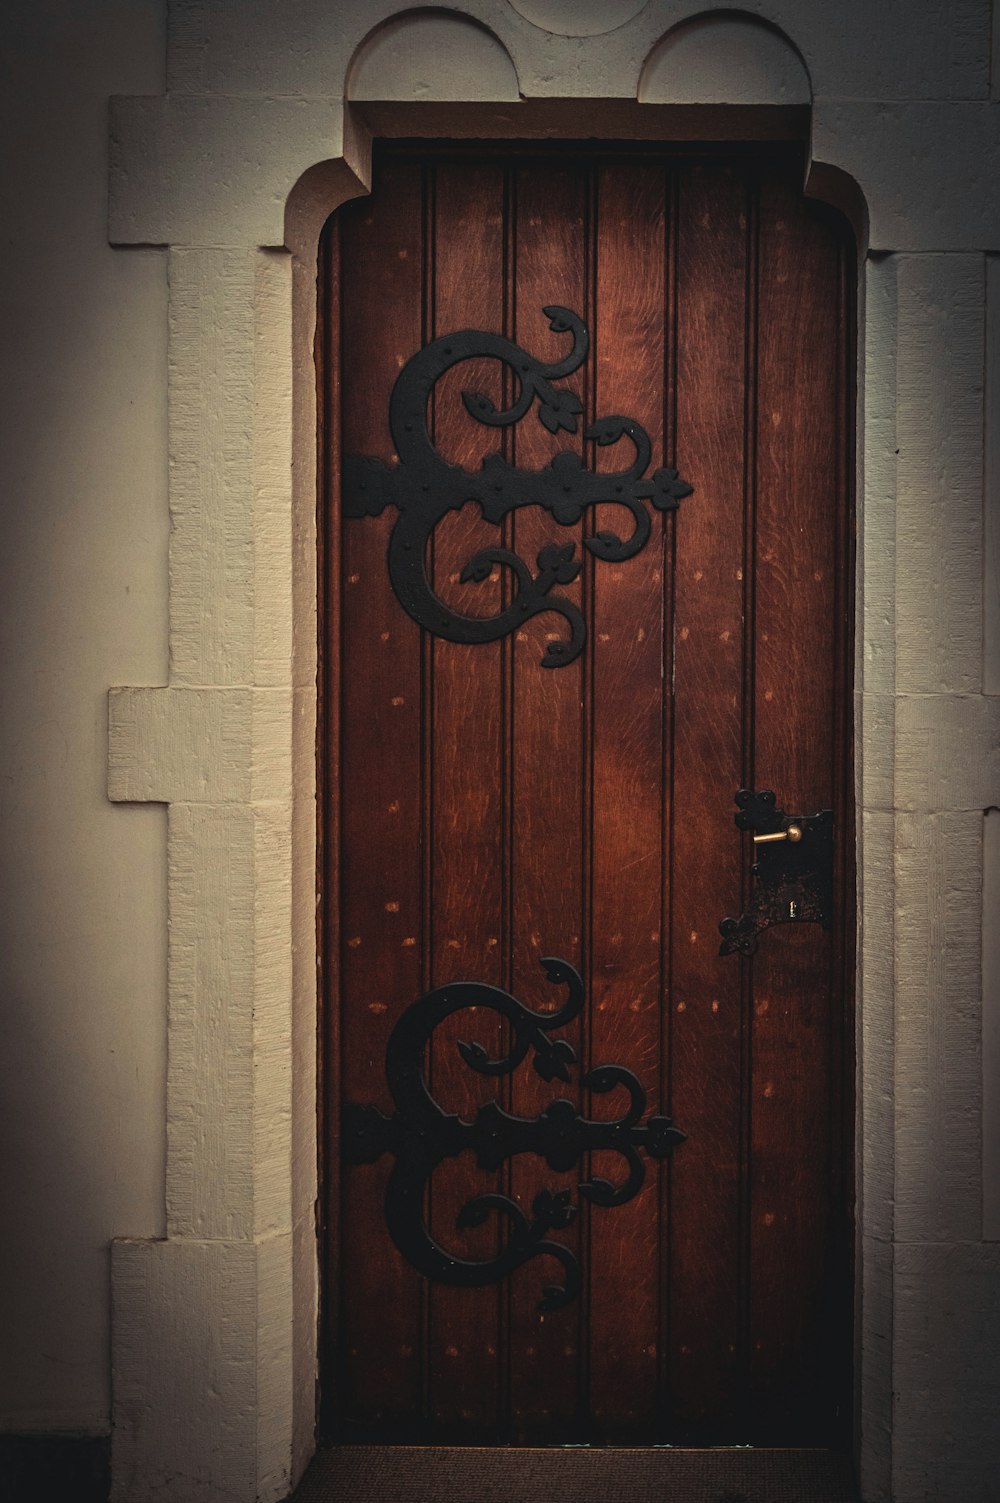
x: 792, y: 875
x: 793, y: 833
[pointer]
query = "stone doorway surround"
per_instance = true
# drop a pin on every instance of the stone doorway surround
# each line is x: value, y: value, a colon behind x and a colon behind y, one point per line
x: 265, y: 127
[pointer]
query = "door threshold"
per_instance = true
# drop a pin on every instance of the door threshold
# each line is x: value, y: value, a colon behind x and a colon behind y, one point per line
x: 575, y: 1474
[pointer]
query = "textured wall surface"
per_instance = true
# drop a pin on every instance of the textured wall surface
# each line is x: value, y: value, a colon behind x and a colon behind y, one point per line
x: 82, y: 603
x: 192, y: 363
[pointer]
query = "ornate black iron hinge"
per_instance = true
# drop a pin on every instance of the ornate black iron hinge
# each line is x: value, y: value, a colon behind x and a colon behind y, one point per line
x: 423, y: 487
x: 792, y: 874
x: 420, y: 1136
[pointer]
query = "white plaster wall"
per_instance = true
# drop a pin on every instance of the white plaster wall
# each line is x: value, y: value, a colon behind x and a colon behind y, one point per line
x: 83, y: 533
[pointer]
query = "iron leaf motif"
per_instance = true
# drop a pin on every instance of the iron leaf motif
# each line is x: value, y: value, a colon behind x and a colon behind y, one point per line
x: 423, y: 487
x: 420, y: 1135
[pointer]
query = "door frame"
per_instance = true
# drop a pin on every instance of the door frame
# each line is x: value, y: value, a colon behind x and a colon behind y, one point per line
x: 220, y: 182
x: 269, y: 760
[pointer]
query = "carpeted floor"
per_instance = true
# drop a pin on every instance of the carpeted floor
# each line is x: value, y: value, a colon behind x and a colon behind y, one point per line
x: 438, y: 1474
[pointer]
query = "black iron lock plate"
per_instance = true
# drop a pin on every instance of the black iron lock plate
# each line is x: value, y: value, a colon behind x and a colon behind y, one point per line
x: 420, y: 1135
x: 792, y: 874
x: 423, y: 488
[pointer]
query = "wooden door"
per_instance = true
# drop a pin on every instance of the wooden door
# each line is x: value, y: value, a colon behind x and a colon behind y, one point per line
x: 497, y: 795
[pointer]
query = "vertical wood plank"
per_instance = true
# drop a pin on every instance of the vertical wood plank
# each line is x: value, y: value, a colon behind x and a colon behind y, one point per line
x: 380, y: 803
x: 467, y: 830
x: 797, y: 526
x: 841, y: 1306
x: 627, y: 657
x: 328, y: 782
x: 706, y: 1266
x: 547, y: 833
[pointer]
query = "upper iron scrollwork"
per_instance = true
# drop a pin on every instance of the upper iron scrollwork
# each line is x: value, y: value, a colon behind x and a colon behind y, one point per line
x: 423, y: 487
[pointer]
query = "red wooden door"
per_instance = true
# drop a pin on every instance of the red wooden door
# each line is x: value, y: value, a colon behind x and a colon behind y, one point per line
x: 483, y: 811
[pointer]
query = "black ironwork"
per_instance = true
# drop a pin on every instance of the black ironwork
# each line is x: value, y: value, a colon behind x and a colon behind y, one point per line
x: 792, y: 878
x: 421, y: 1135
x: 423, y: 487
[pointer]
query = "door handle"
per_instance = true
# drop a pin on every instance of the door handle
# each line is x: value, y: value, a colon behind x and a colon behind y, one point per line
x: 793, y: 833
x: 792, y: 873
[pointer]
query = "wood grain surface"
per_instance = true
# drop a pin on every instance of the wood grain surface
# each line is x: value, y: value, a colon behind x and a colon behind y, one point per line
x: 481, y: 811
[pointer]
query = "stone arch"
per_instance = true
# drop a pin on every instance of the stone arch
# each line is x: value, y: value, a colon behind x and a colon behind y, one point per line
x: 725, y: 57
x: 578, y: 18
x: 431, y: 54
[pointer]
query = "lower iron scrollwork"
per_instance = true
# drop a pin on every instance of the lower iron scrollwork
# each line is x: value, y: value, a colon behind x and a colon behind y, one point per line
x: 420, y: 1135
